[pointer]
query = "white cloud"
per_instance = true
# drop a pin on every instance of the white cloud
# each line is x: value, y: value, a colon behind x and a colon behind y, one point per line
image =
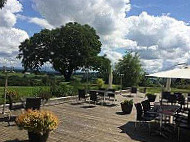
x: 10, y: 37
x: 39, y: 21
x: 163, y: 38
x: 161, y: 41
x: 104, y: 15
x: 113, y: 55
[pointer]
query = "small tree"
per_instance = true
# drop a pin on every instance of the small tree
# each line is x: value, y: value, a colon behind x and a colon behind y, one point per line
x: 102, y: 65
x: 100, y: 82
x: 131, y: 68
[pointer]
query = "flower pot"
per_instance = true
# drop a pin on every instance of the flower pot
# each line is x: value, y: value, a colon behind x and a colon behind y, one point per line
x: 37, y: 137
x: 126, y: 108
x: 151, y: 98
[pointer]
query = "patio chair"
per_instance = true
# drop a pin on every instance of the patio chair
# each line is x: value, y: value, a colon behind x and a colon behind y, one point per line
x: 81, y: 94
x: 181, y: 101
x: 188, y: 100
x: 111, y: 94
x: 33, y: 103
x: 93, y: 96
x: 165, y: 96
x: 133, y: 90
x: 141, y: 117
x: 172, y: 99
x: 178, y: 95
x: 182, y: 122
x: 101, y: 93
x: 148, y: 110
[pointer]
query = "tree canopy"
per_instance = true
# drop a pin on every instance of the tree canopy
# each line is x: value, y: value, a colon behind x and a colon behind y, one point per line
x: 2, y: 2
x: 131, y: 69
x: 68, y: 48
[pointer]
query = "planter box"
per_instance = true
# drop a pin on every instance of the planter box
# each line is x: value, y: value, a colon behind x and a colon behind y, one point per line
x: 126, y: 108
x: 151, y: 98
x: 35, y: 137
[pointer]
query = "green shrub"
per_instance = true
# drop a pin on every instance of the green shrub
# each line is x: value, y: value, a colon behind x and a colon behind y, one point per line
x: 61, y: 90
x: 150, y: 94
x: 129, y: 102
x: 100, y: 82
x: 45, y: 95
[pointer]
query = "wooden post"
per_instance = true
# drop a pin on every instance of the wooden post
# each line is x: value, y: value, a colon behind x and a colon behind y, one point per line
x: 5, y: 91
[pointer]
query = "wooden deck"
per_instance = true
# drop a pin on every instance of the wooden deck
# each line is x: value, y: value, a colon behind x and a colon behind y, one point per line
x: 81, y: 122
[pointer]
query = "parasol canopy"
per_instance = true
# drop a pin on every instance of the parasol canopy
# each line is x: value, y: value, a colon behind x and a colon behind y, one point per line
x: 183, y: 73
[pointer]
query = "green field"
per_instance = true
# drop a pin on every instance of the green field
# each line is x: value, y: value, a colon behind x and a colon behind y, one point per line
x: 23, y: 91
x: 158, y: 90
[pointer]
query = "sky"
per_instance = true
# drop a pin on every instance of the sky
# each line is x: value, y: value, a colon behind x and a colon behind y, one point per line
x: 158, y: 30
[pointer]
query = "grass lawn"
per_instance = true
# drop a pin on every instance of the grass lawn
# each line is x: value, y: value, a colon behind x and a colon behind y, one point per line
x: 158, y: 90
x: 22, y: 91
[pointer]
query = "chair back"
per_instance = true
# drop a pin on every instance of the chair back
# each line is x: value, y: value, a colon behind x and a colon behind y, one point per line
x: 178, y: 95
x: 172, y: 99
x: 145, y: 105
x: 165, y: 95
x: 81, y: 93
x: 33, y: 103
x: 181, y: 100
x: 188, y: 97
x: 101, y: 93
x: 139, y: 111
x: 93, y: 96
x: 133, y: 90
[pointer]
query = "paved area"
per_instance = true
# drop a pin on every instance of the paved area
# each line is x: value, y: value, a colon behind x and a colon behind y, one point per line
x: 81, y: 122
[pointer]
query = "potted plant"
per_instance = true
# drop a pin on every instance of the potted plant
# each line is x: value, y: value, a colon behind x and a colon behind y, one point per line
x: 151, y: 97
x: 38, y: 124
x: 127, y: 106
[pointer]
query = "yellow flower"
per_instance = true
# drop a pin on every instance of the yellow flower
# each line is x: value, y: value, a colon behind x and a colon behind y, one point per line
x: 37, y: 121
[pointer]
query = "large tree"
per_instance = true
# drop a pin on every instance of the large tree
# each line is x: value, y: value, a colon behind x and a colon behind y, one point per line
x: 2, y: 2
x: 131, y: 69
x: 68, y: 48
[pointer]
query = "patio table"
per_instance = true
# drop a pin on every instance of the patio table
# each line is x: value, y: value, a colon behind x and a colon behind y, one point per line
x: 164, y: 111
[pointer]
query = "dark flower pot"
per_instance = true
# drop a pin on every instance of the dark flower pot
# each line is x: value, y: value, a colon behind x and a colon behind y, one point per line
x: 151, y: 98
x: 126, y: 108
x: 36, y: 137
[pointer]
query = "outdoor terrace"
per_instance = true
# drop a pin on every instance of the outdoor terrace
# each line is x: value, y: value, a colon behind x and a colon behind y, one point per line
x: 81, y: 122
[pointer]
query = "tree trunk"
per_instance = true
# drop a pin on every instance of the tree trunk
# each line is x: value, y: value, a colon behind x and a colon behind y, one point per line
x: 67, y: 75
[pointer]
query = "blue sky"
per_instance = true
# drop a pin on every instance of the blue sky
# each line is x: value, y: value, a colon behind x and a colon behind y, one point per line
x: 31, y: 28
x: 178, y: 9
x: 157, y: 29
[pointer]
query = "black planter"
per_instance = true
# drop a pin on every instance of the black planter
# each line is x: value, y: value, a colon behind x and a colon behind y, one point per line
x: 151, y: 98
x: 36, y: 137
x: 126, y: 108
